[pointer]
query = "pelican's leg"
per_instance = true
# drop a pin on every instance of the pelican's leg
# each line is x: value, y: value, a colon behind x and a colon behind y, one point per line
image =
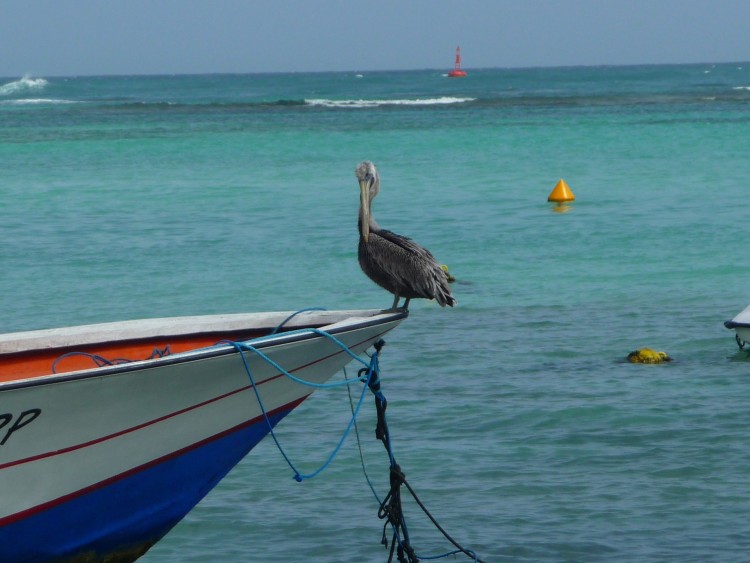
x: 406, y: 303
x: 395, y: 302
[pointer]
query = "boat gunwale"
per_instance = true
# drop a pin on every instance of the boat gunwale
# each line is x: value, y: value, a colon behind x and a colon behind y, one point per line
x: 140, y: 329
x: 298, y: 334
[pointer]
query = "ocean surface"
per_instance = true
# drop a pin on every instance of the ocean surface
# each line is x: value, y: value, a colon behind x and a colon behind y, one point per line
x: 514, y: 415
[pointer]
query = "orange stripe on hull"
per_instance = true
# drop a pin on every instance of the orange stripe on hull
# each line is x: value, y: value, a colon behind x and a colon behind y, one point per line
x: 36, y: 363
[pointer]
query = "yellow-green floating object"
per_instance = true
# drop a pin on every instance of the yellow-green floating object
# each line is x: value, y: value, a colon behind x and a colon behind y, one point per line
x: 451, y: 279
x: 648, y: 356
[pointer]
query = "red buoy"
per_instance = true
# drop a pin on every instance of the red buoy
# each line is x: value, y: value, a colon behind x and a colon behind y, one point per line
x: 457, y: 72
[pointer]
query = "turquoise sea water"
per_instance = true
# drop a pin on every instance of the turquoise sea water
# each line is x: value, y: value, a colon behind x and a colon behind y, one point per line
x: 514, y: 415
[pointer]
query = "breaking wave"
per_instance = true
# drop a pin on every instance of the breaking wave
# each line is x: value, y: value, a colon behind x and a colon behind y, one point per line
x: 35, y: 101
x: 377, y: 103
x: 22, y: 86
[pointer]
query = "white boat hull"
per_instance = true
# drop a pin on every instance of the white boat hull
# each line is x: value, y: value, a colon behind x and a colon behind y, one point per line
x: 740, y: 324
x: 103, y: 462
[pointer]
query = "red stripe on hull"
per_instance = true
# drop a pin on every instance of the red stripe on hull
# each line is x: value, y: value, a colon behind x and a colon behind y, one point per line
x: 101, y: 484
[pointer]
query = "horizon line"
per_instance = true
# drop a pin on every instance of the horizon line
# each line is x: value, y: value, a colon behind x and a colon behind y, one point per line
x: 361, y: 71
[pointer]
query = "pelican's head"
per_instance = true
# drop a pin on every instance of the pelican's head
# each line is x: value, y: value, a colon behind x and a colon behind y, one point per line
x: 369, y: 186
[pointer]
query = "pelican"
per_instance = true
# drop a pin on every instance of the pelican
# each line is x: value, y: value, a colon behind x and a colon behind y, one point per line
x: 394, y: 262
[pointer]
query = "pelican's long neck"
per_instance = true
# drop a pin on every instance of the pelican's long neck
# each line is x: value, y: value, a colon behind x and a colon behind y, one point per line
x: 367, y: 223
x: 369, y: 186
x: 365, y: 217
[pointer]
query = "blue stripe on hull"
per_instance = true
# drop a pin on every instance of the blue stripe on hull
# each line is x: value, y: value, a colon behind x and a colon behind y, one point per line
x: 123, y: 518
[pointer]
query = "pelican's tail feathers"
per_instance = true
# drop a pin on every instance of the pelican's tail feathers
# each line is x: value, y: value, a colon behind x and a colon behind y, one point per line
x: 443, y: 296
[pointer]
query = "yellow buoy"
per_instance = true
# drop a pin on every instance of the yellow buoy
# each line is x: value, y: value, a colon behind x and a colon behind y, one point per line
x: 648, y: 356
x: 561, y: 193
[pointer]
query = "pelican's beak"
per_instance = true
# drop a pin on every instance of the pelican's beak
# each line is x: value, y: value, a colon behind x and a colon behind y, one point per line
x: 364, y: 202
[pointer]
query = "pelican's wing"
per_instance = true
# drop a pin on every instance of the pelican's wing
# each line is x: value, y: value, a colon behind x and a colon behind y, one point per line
x: 412, y: 267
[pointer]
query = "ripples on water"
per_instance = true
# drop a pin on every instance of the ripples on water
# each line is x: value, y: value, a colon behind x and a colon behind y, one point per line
x: 514, y: 415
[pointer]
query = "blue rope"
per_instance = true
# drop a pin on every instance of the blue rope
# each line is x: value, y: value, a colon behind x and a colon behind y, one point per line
x: 101, y: 361
x: 359, y: 446
x: 468, y: 552
x: 247, y: 346
x: 406, y: 552
x: 290, y: 317
x: 244, y: 346
x: 372, y: 381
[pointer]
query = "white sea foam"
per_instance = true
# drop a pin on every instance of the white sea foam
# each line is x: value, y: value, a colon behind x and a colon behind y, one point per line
x: 25, y: 84
x: 377, y: 103
x: 741, y: 88
x: 35, y: 101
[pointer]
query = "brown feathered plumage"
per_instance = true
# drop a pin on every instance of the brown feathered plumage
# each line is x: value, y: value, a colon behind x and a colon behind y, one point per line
x: 394, y: 262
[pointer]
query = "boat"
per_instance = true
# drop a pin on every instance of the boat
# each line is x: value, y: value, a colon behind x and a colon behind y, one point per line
x: 111, y: 433
x: 740, y: 324
x: 457, y: 72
